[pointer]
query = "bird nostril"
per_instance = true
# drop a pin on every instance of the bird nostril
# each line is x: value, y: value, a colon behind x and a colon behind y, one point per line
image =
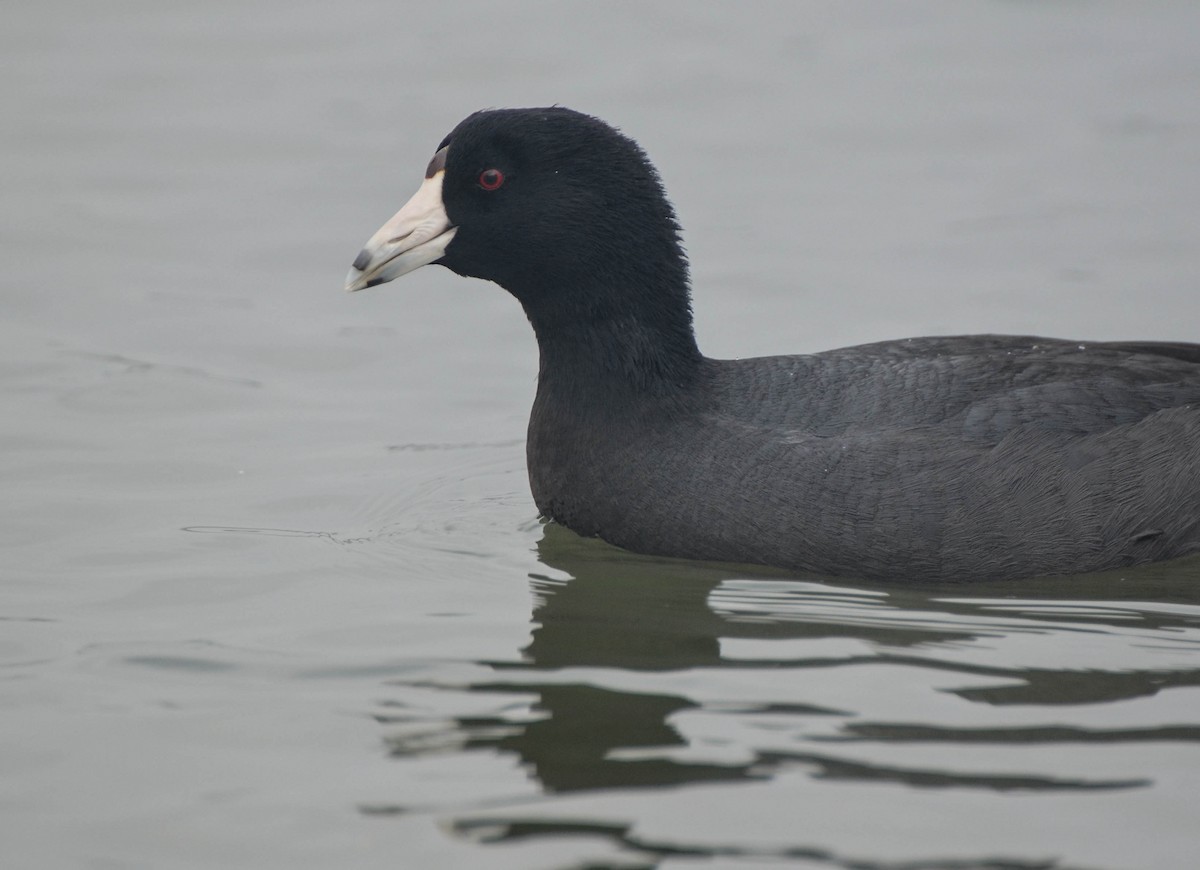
x: 362, y: 260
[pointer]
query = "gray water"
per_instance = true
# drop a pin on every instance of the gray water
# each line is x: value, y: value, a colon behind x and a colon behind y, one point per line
x: 273, y: 591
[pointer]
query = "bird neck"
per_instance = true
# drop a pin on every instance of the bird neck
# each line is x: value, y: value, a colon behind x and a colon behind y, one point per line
x: 615, y: 331
x: 620, y: 355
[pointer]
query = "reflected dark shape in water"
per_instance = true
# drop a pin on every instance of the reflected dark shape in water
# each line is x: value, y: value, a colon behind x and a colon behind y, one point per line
x: 909, y: 733
x: 644, y: 613
x: 636, y: 614
x: 1043, y: 687
x: 569, y: 749
x: 494, y: 831
x: 490, y: 831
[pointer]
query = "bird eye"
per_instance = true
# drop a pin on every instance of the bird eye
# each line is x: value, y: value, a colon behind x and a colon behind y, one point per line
x: 491, y: 179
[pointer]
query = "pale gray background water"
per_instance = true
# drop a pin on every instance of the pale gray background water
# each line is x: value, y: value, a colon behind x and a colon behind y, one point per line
x: 273, y: 590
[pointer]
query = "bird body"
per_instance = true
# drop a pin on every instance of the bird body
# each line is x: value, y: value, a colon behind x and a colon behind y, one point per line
x: 944, y: 459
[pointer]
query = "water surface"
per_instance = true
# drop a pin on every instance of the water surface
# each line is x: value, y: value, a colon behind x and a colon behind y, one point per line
x: 273, y: 589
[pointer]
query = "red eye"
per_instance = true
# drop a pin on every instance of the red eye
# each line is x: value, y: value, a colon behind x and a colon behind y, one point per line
x: 491, y: 179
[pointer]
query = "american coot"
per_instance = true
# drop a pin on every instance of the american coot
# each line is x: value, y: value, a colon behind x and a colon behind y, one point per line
x: 950, y: 458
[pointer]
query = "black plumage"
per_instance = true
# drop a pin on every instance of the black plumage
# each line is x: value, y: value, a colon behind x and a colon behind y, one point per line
x: 948, y: 458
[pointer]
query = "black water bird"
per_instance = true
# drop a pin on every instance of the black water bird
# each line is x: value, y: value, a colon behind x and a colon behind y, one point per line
x: 948, y: 458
